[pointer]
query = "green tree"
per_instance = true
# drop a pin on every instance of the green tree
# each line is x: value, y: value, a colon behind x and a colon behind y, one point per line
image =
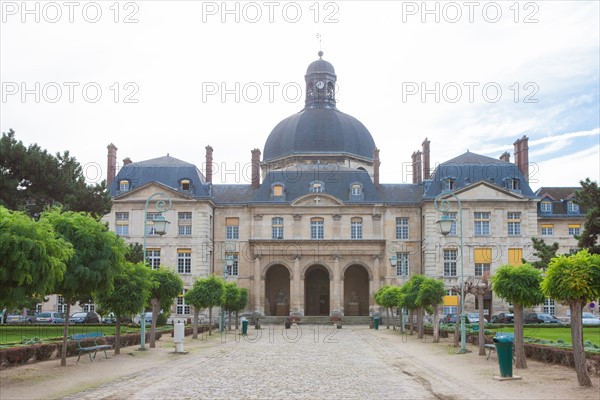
x: 98, y: 258
x: 575, y: 280
x: 130, y: 293
x: 32, y: 179
x: 135, y: 253
x: 408, y: 299
x: 166, y: 286
x: 240, y: 304
x: 32, y: 258
x: 543, y: 252
x: 431, y: 294
x: 589, y: 197
x: 480, y: 288
x: 206, y: 293
x: 519, y: 285
x: 231, y: 296
x: 388, y: 297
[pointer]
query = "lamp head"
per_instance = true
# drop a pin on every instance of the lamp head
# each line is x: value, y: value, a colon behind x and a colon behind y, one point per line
x: 445, y: 224
x: 394, y: 260
x: 160, y: 225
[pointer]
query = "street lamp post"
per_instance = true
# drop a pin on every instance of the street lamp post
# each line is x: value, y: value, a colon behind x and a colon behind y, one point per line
x: 394, y: 264
x: 445, y: 225
x: 160, y: 228
x: 228, y: 264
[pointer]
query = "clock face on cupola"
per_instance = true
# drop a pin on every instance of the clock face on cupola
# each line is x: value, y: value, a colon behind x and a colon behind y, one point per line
x: 320, y: 84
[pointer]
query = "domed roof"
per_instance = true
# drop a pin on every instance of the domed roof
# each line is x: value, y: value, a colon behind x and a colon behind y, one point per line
x: 320, y: 66
x: 317, y: 131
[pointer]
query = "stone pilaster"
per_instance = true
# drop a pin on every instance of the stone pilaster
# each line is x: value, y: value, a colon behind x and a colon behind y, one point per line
x: 296, y: 294
x: 336, y: 298
x: 258, y: 287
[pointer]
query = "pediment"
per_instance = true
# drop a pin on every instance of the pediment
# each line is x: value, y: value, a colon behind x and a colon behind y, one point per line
x: 317, y: 200
x: 486, y: 191
x: 144, y: 192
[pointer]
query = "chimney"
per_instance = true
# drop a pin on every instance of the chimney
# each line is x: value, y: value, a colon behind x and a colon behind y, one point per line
x: 521, y: 147
x: 426, y: 165
x: 111, y: 164
x: 505, y: 156
x: 376, y: 164
x: 209, y: 164
x: 255, y: 168
x: 127, y: 160
x: 416, y: 167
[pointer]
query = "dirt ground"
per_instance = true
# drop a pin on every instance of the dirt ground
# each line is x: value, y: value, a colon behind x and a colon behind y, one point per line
x: 437, y: 363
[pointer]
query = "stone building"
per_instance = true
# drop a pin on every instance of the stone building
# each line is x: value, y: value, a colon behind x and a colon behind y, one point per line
x: 314, y: 231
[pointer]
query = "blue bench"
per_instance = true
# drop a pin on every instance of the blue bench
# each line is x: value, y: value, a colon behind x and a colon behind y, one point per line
x: 492, y: 347
x: 80, y: 337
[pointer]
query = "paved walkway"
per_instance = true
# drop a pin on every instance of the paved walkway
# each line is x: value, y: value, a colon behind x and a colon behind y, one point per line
x: 302, y: 362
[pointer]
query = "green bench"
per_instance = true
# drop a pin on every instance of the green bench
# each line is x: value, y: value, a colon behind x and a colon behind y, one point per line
x: 80, y: 337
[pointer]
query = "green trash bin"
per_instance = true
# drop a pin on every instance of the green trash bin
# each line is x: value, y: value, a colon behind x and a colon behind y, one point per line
x: 245, y: 327
x: 504, y: 349
x: 376, y: 323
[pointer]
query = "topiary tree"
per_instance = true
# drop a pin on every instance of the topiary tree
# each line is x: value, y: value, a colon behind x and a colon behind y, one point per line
x: 574, y: 280
x: 388, y: 296
x: 241, y: 304
x: 431, y: 294
x: 130, y: 293
x: 519, y: 285
x: 231, y: 296
x: 206, y: 293
x: 409, y: 297
x: 166, y: 286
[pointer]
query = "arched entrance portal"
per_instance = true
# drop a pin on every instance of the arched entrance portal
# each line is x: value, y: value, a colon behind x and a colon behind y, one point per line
x: 356, y: 291
x: 277, y: 291
x: 316, y: 291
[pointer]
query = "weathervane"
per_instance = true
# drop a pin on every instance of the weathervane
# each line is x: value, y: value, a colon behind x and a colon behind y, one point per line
x: 319, y: 37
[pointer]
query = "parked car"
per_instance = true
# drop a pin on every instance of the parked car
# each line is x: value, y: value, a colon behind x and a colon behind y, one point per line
x: 541, y: 318
x: 148, y: 318
x: 112, y: 319
x: 85, y: 318
x: 50, y: 317
x: 451, y: 319
x: 473, y: 318
x: 587, y: 318
x: 27, y: 318
x: 503, y: 318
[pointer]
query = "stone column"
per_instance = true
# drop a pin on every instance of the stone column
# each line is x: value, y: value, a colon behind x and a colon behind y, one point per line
x: 336, y: 303
x: 375, y: 283
x: 296, y: 295
x: 258, y: 288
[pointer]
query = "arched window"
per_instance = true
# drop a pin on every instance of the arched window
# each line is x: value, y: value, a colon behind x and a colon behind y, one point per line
x: 356, y: 189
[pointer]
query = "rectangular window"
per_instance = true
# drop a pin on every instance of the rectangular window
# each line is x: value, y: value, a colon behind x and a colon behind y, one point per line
x: 184, y: 221
x: 574, y: 229
x: 150, y: 217
x: 233, y: 270
x: 449, y: 184
x: 572, y: 208
x: 512, y: 184
x: 182, y: 308
x: 184, y: 261
x: 482, y: 223
x: 547, y: 229
x: 451, y: 215
x: 277, y: 191
x: 546, y: 207
x: 482, y: 269
x: 450, y: 262
x: 124, y: 186
x: 401, y: 228
x: 549, y: 306
x: 232, y: 226
x: 89, y: 307
x: 122, y: 223
x: 515, y: 256
x: 39, y: 307
x: 482, y: 258
x: 277, y: 228
x: 153, y: 258
x: 61, y: 307
x: 317, y: 228
x: 402, y: 265
x: 514, y: 223
x: 450, y: 310
x: 356, y: 228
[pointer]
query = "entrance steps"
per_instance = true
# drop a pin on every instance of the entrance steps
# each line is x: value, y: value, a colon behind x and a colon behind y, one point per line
x: 320, y: 320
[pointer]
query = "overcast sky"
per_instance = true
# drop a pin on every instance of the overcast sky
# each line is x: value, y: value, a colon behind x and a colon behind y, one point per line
x: 158, y: 77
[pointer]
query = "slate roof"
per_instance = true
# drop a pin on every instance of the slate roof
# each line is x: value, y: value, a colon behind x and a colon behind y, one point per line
x: 469, y: 168
x: 559, y: 197
x: 167, y: 170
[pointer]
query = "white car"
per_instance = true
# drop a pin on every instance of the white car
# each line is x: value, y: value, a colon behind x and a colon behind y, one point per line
x: 587, y: 318
x: 473, y: 318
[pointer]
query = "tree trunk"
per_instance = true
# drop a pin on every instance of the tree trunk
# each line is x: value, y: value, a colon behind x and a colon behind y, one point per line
x: 412, y: 324
x: 229, y: 314
x: 63, y: 352
x: 420, y: 330
x: 436, y: 324
x: 155, y: 309
x: 237, y: 320
x: 210, y: 320
x: 577, y: 339
x: 481, y: 323
x: 387, y: 315
x: 118, y: 335
x: 520, y: 361
x: 195, y: 326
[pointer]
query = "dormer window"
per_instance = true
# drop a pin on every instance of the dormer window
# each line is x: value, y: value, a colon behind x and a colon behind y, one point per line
x: 572, y: 208
x: 124, y: 185
x: 317, y: 187
x: 449, y: 184
x: 185, y: 184
x: 513, y: 184
x: 277, y: 190
x: 546, y: 206
x: 356, y: 189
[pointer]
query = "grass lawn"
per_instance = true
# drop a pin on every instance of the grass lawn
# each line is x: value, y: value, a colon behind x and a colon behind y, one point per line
x: 11, y: 334
x: 591, y: 333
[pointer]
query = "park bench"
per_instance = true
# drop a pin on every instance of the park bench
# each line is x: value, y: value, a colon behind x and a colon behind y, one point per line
x: 492, y: 347
x: 81, y: 349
